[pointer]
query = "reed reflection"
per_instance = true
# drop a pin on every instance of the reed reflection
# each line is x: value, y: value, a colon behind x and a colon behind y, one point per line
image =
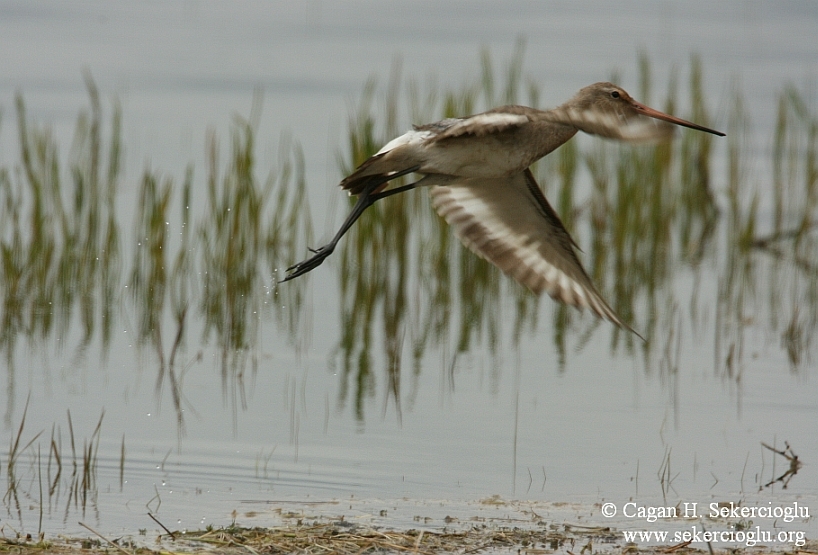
x: 448, y: 295
x: 770, y: 282
x: 649, y: 215
x: 62, y: 258
x: 61, y: 263
x: 41, y: 479
x: 645, y: 216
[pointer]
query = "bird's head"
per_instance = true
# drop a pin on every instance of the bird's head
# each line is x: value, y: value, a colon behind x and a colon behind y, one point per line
x: 608, y: 110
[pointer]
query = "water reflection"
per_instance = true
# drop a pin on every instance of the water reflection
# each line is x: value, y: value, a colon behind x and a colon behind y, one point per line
x: 685, y: 239
x: 60, y: 254
x: 645, y: 215
x: 66, y: 476
x: 649, y: 216
x: 62, y: 258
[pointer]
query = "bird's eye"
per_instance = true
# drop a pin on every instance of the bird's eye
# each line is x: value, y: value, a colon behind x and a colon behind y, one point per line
x: 615, y: 94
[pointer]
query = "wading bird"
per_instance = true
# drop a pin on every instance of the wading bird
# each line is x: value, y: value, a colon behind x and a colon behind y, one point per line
x: 477, y: 168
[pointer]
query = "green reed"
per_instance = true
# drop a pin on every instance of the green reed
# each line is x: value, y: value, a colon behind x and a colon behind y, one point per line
x: 287, y: 234
x: 792, y: 241
x: 381, y: 303
x: 643, y: 213
x: 152, y: 278
x: 240, y: 231
x: 59, y: 238
x: 149, y: 275
x: 231, y: 242
x: 795, y: 167
x: 699, y: 209
x: 61, y: 263
x: 739, y: 275
x: 61, y: 251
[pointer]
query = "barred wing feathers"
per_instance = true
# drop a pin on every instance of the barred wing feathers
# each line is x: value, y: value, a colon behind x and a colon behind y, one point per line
x: 509, y: 222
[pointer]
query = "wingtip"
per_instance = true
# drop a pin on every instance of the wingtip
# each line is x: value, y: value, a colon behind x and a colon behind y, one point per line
x: 633, y: 331
x: 614, y: 318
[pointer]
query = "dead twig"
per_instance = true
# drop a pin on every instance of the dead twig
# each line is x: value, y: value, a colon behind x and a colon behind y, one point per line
x: 795, y: 465
x: 117, y: 546
x: 156, y: 520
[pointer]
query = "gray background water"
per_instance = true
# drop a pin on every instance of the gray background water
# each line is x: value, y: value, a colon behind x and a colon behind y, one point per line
x: 599, y: 429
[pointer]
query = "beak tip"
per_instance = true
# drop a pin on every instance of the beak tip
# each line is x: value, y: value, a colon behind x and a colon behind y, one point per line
x: 653, y: 113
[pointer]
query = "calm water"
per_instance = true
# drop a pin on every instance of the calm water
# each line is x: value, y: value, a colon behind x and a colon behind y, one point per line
x: 286, y: 419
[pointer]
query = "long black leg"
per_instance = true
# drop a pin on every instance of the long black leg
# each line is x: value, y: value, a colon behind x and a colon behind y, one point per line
x: 366, y: 199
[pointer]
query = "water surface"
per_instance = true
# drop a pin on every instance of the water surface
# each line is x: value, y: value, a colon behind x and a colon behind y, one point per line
x: 369, y: 379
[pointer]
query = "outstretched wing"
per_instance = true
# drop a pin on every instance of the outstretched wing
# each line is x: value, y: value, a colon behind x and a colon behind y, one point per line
x: 493, y: 121
x: 509, y: 222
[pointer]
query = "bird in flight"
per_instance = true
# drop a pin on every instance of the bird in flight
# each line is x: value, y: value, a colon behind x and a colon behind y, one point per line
x: 477, y: 171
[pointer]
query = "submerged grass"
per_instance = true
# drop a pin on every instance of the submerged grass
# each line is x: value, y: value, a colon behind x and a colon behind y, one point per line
x: 242, y: 242
x: 643, y: 214
x: 781, y: 251
x: 381, y: 304
x: 61, y: 265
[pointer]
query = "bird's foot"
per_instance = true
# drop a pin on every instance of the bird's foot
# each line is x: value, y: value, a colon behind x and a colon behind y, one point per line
x: 309, y: 264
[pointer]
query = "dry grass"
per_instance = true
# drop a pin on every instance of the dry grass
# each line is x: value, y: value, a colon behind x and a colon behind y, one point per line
x: 338, y: 536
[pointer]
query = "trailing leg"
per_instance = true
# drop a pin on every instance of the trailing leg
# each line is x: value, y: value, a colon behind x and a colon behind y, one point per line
x: 367, y: 198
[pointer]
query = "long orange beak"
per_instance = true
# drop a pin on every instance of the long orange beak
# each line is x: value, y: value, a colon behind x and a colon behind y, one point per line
x: 650, y: 112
